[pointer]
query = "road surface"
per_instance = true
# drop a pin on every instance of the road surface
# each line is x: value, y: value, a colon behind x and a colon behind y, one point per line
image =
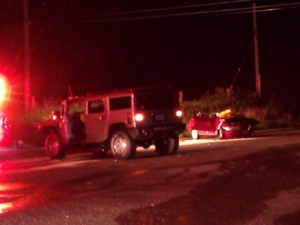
x: 237, y: 182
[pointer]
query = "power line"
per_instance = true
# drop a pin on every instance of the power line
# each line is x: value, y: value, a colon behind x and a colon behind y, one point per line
x: 172, y: 8
x: 239, y: 10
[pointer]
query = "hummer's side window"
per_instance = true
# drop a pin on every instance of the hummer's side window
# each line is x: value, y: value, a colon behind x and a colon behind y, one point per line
x: 96, y: 106
x: 120, y: 103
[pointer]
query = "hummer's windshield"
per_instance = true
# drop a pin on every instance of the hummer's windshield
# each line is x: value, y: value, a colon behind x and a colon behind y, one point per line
x: 75, y: 107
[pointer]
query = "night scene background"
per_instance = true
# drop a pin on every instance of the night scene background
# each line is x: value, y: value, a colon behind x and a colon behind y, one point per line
x: 193, y: 46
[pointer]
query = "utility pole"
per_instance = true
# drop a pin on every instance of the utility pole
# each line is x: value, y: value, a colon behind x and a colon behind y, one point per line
x: 256, y: 54
x: 26, y: 56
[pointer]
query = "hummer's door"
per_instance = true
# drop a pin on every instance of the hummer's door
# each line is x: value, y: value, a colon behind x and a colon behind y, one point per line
x: 96, y: 120
x: 72, y: 121
x: 65, y: 124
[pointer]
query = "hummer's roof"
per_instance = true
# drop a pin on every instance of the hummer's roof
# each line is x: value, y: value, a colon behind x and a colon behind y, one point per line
x: 120, y: 93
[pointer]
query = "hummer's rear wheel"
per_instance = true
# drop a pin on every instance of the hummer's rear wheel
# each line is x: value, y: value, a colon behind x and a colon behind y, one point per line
x: 168, y: 145
x: 122, y: 146
x: 54, y: 147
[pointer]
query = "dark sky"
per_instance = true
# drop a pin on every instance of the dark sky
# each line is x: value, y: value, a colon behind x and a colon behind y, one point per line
x: 102, y: 45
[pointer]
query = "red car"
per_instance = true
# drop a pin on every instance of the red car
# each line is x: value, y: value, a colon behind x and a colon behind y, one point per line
x: 223, y: 125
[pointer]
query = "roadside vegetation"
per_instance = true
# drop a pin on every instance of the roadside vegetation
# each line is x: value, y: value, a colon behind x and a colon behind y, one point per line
x: 270, y: 112
x: 23, y: 123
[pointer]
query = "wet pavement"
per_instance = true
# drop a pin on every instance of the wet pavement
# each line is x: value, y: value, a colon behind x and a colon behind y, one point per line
x: 249, y: 190
x: 235, y: 182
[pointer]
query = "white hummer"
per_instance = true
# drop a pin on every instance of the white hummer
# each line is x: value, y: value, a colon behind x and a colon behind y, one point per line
x: 119, y: 121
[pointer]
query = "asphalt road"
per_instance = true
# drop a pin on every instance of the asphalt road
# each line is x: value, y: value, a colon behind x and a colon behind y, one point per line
x: 236, y: 182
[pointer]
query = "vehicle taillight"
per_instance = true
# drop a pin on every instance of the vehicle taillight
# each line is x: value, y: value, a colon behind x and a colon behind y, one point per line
x: 179, y: 113
x: 139, y: 117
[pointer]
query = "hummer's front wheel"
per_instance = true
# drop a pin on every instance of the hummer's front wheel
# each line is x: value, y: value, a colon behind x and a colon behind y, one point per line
x: 122, y: 146
x: 54, y: 147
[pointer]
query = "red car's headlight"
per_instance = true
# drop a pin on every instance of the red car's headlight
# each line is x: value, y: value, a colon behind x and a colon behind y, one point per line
x: 226, y: 128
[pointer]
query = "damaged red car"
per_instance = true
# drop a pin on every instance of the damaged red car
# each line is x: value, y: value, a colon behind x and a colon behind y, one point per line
x: 224, y: 125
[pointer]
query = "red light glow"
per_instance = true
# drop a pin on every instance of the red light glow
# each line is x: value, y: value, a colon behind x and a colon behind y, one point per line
x: 13, y: 201
x: 3, y: 89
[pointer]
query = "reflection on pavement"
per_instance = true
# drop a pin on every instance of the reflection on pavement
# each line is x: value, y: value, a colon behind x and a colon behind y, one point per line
x: 11, y: 198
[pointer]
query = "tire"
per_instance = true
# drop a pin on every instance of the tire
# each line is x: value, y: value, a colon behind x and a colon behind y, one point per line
x: 122, y: 146
x: 168, y: 145
x: 195, y: 134
x: 54, y: 147
x: 250, y: 131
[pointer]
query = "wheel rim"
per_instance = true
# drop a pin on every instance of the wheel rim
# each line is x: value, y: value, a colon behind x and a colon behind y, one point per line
x: 194, y: 134
x: 120, y: 145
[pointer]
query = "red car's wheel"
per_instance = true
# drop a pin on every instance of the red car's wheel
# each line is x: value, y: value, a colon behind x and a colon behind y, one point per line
x: 195, y: 134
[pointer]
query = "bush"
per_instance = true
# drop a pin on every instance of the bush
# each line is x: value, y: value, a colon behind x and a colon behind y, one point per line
x: 23, y: 122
